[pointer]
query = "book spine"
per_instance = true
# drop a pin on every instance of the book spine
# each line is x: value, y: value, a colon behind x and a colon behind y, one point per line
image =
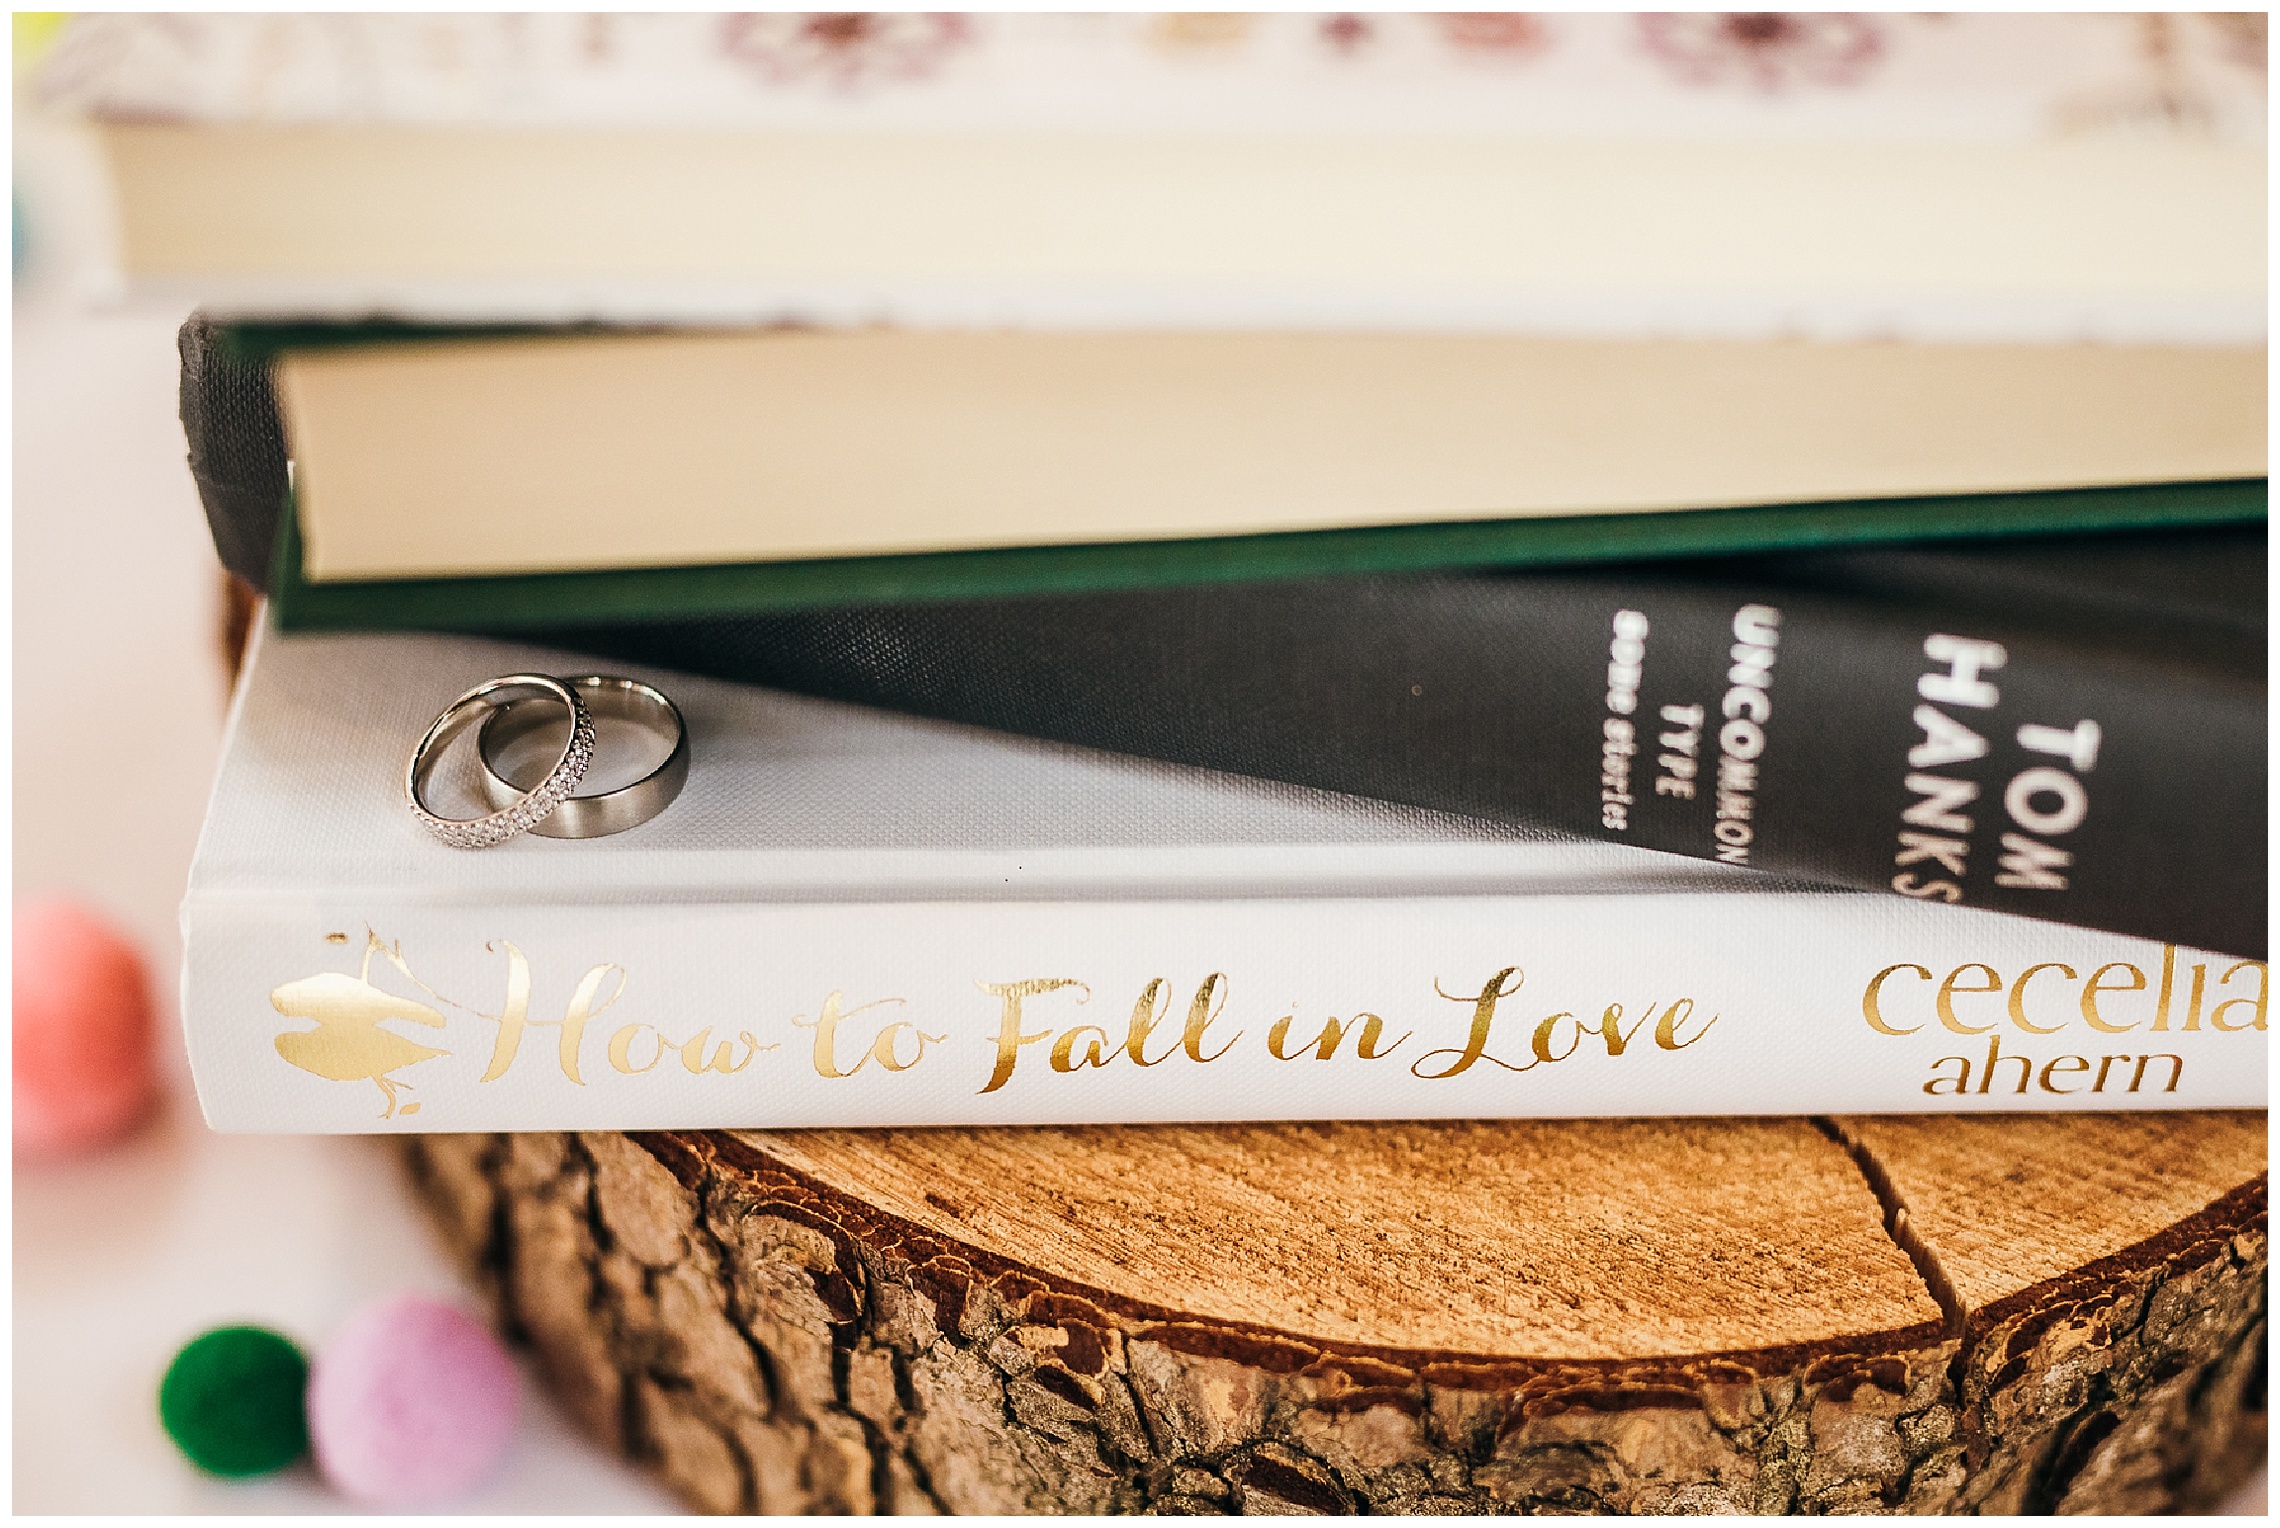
x: 2105, y: 772
x: 309, y: 1017
x: 237, y: 447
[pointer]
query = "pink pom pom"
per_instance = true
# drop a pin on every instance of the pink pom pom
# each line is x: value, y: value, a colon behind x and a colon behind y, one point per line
x: 411, y: 1403
x: 83, y: 1030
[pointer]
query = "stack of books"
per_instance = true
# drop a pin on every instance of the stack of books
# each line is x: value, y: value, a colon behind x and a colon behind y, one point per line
x: 1213, y: 570
x: 1622, y: 837
x: 1205, y: 592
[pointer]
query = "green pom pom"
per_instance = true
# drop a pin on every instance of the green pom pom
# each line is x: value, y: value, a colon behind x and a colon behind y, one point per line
x: 232, y: 1401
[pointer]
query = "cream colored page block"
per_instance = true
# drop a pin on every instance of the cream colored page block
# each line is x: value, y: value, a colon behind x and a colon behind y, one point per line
x: 2176, y: 224
x: 676, y: 449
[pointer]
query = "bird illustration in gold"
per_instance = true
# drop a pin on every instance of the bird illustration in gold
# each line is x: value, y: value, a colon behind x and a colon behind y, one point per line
x: 348, y: 1044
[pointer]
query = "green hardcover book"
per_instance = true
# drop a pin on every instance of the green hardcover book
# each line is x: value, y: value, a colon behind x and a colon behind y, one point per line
x: 509, y: 479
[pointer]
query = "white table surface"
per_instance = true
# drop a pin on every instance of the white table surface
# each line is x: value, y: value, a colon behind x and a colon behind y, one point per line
x: 120, y: 1257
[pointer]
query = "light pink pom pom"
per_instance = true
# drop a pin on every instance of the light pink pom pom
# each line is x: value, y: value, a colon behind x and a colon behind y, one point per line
x: 411, y: 1403
x: 82, y: 1040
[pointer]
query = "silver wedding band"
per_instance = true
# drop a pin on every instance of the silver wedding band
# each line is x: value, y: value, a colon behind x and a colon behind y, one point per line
x: 608, y: 698
x: 519, y: 811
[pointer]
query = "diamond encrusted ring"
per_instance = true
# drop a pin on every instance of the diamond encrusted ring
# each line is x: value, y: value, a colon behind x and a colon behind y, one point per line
x: 525, y: 810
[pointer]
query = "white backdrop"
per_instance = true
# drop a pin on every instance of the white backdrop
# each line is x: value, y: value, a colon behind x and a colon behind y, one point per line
x: 121, y: 1257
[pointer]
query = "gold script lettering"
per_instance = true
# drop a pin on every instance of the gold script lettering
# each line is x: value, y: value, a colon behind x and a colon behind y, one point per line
x: 514, y: 1017
x: 1367, y: 1046
x: 621, y: 1049
x: 1097, y: 1044
x: 1611, y: 1030
x: 2097, y: 984
x: 693, y: 1053
x: 1956, y: 1084
x: 1541, y: 1042
x: 1147, y: 1013
x: 1210, y: 999
x: 1476, y: 1041
x: 1870, y: 1008
x: 2019, y: 998
x: 582, y: 1009
x: 883, y: 1049
x: 826, y: 1026
x: 2256, y: 1003
x: 1010, y: 1038
x: 1325, y: 1045
x: 1279, y: 1031
x: 1943, y: 1002
x: 513, y: 1014
x: 1666, y: 1027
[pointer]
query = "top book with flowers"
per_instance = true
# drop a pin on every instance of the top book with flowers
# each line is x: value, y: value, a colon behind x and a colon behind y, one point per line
x: 1988, y: 177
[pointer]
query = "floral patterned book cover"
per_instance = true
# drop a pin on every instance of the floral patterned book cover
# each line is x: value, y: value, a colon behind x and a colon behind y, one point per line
x: 1748, y: 75
x: 1935, y: 176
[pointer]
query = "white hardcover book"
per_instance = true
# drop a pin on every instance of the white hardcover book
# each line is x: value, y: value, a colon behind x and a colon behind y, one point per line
x: 851, y: 918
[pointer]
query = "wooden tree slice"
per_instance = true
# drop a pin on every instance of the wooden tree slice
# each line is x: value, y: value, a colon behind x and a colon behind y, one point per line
x: 1896, y: 1314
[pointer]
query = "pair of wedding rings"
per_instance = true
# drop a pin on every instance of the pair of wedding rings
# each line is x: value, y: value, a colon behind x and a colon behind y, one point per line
x: 523, y: 801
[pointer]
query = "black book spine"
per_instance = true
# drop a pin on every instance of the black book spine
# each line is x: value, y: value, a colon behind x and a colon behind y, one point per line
x: 237, y: 448
x: 2057, y: 768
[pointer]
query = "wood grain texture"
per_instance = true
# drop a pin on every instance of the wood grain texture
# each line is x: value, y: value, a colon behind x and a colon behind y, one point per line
x: 2034, y: 1314
x: 1553, y: 1239
x: 2010, y: 1202
x: 2086, y: 1264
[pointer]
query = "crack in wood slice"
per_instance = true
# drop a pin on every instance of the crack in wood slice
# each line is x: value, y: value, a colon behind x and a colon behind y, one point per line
x: 1630, y: 1316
